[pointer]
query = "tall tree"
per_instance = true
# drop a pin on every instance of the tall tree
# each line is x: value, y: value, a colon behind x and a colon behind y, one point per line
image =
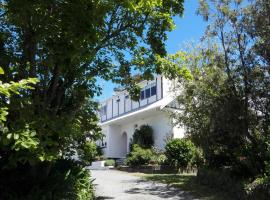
x: 226, y: 102
x: 67, y: 45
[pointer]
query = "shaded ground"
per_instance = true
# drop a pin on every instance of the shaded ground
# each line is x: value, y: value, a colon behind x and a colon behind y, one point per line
x: 187, y: 182
x: 112, y: 184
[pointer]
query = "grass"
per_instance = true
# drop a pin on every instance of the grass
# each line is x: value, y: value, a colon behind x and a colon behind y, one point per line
x: 187, y: 182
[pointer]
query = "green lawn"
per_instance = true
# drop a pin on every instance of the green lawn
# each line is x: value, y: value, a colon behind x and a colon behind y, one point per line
x: 187, y: 183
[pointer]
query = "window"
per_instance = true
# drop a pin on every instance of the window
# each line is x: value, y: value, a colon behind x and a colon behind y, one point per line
x: 126, y: 97
x: 147, y: 93
x: 118, y: 100
x: 142, y: 95
x: 153, y: 90
x: 103, y: 110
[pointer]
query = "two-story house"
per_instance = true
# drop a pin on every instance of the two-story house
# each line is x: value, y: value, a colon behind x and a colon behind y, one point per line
x: 120, y: 116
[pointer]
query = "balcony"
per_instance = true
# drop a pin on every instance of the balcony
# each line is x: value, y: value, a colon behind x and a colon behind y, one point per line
x: 121, y: 104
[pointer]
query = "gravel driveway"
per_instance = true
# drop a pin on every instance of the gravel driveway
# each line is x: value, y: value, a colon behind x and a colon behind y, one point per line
x: 113, y: 184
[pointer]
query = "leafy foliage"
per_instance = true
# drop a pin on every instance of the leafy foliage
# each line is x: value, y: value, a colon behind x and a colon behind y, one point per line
x: 179, y: 152
x: 110, y: 162
x: 88, y: 152
x: 67, y: 180
x: 68, y: 45
x: 143, y: 136
x: 225, y: 97
x: 6, y: 89
x: 139, y: 156
x: 158, y: 157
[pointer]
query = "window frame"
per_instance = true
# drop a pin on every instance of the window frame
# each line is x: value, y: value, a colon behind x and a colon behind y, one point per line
x: 142, y: 97
x: 148, y: 95
x: 153, y: 86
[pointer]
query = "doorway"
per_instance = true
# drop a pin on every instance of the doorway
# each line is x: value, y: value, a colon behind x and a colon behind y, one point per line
x: 124, y: 144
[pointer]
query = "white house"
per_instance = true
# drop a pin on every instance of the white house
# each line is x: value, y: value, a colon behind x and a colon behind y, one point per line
x: 120, y: 116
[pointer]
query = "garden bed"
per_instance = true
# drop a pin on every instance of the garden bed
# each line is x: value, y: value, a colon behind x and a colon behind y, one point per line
x: 156, y: 169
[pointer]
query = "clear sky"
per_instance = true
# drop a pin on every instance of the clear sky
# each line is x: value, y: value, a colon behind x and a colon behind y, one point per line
x: 190, y: 27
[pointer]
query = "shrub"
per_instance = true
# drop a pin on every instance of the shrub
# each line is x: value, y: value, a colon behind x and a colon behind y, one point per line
x: 179, y: 152
x: 197, y: 159
x: 99, y: 151
x: 67, y: 180
x: 143, y: 136
x: 158, y: 157
x: 88, y: 152
x: 110, y: 162
x: 139, y: 156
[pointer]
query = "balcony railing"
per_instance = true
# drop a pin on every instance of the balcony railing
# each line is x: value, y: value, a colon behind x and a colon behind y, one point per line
x: 115, y: 105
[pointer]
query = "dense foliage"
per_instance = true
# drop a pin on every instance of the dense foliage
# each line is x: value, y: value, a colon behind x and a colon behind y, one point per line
x: 110, y: 162
x: 180, y: 152
x: 225, y: 85
x: 225, y: 97
x: 67, y: 180
x: 67, y: 45
x: 88, y: 152
x: 139, y: 156
x: 143, y: 136
x: 145, y: 156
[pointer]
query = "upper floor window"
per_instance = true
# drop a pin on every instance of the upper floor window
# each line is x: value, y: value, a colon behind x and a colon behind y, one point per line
x: 153, y: 90
x: 142, y: 95
x: 149, y: 91
x: 103, y: 110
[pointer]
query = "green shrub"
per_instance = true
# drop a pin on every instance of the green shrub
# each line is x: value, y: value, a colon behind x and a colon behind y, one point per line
x: 158, y: 157
x: 88, y: 152
x: 110, y: 162
x: 139, y: 156
x: 179, y: 152
x: 197, y: 159
x: 66, y: 181
x: 99, y: 151
x: 143, y: 137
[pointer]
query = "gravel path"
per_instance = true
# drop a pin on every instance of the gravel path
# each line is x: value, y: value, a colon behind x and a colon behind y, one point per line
x: 117, y: 185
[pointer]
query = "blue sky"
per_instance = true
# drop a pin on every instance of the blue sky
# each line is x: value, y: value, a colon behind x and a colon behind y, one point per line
x: 190, y: 27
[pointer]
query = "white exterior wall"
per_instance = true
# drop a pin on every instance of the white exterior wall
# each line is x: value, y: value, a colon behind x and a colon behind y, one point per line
x: 115, y: 144
x: 124, y: 115
x: 160, y: 123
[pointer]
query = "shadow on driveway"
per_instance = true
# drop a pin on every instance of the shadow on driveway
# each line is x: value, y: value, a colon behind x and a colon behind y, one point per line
x: 161, y: 190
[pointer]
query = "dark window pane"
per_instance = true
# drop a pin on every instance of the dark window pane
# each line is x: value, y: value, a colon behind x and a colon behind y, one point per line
x: 118, y: 100
x: 142, y: 94
x: 153, y: 90
x: 147, y: 93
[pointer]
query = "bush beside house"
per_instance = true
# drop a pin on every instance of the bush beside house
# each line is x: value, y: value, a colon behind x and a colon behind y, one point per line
x: 143, y: 137
x: 179, y: 153
x: 66, y: 180
x: 182, y: 153
x: 139, y: 156
x: 141, y: 149
x: 110, y: 162
x: 88, y: 152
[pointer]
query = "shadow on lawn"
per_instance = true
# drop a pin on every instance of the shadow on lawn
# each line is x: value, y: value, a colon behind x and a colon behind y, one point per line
x: 187, y: 185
